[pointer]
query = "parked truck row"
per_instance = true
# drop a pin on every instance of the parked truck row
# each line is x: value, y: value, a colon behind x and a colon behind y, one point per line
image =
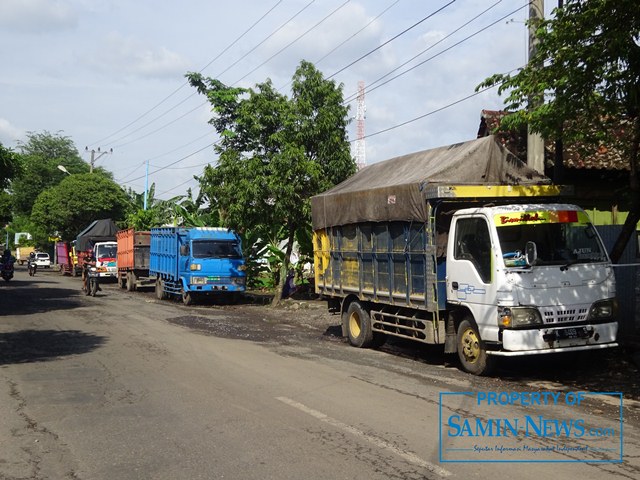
x: 188, y: 263
x: 462, y: 246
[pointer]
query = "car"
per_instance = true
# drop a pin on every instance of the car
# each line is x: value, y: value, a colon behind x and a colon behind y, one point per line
x: 43, y: 260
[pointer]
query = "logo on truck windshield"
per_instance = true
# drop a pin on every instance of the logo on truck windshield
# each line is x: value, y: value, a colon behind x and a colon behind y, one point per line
x: 522, y: 218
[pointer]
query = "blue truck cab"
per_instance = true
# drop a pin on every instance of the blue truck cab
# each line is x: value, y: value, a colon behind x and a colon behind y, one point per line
x: 196, y: 262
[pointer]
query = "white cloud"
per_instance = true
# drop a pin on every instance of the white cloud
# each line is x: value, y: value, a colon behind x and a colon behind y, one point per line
x: 37, y: 16
x: 9, y: 133
x: 130, y: 56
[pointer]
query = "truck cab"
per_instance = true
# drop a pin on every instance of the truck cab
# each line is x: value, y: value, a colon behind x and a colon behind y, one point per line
x: 528, y: 279
x: 197, y: 262
x: 105, y: 253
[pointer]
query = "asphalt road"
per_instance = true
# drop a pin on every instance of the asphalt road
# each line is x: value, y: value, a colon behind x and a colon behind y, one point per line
x: 123, y: 386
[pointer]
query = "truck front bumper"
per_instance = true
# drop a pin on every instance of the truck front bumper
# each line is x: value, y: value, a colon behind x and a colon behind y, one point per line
x: 557, y: 339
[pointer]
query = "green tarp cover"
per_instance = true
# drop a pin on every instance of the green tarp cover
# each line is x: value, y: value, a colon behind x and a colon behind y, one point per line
x: 394, y: 190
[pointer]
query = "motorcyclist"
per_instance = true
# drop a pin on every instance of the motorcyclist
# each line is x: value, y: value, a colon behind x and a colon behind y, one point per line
x: 88, y: 261
x: 31, y: 263
x: 6, y: 256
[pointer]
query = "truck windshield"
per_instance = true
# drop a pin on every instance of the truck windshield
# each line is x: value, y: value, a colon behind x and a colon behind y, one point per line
x: 216, y: 249
x: 106, y: 251
x: 556, y: 243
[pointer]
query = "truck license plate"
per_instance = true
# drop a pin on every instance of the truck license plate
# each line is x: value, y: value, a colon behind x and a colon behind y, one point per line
x: 570, y: 333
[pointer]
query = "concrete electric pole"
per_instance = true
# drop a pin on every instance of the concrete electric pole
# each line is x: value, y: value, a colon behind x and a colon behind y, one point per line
x: 94, y: 157
x: 535, y: 143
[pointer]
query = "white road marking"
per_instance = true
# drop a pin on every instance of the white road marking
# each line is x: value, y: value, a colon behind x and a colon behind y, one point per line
x: 407, y: 455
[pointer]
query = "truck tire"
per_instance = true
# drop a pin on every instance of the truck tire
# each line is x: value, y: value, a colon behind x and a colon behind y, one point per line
x: 471, y: 351
x: 358, y: 326
x: 160, y: 289
x: 121, y: 280
x: 187, y: 298
x: 131, y: 282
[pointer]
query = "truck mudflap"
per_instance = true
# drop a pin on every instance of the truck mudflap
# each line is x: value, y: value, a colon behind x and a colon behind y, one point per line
x: 558, y: 339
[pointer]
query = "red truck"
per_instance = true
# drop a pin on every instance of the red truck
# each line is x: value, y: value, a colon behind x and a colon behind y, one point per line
x: 133, y: 258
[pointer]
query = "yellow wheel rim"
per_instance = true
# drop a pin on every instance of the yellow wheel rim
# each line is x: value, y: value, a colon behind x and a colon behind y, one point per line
x: 470, y: 345
x: 355, y: 325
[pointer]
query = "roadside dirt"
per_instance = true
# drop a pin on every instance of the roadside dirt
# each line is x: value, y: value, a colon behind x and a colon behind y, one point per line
x: 611, y: 370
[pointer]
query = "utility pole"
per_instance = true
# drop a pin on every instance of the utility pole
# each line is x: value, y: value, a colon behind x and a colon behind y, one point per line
x: 361, y: 156
x: 558, y: 164
x: 94, y: 157
x: 146, y: 186
x: 535, y: 143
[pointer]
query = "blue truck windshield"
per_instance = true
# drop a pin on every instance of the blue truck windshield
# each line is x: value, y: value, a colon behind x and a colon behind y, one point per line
x: 216, y: 249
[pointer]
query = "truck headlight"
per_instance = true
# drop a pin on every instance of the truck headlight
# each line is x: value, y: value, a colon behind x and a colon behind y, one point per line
x: 239, y: 281
x: 519, y: 317
x: 198, y: 280
x: 195, y: 267
x: 603, y: 310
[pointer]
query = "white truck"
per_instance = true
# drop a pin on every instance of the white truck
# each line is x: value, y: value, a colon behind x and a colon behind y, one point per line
x: 415, y: 247
x: 106, y: 255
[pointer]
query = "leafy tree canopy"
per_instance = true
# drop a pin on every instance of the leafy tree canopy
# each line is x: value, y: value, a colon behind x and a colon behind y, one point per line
x: 67, y: 208
x: 9, y: 166
x: 583, y: 84
x: 275, y: 152
x: 40, y: 156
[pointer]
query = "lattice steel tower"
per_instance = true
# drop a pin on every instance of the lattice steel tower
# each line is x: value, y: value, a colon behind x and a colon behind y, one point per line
x: 361, y: 156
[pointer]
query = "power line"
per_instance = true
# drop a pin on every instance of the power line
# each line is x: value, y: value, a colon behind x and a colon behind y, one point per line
x: 437, y: 110
x: 176, y: 186
x: 391, y: 39
x: 292, y: 42
x: 195, y: 93
x: 358, y: 32
x: 427, y: 114
x: 371, y: 84
x: 375, y: 133
x: 297, y: 39
x: 369, y: 90
x: 347, y: 39
x: 183, y: 84
x: 267, y: 38
x: 177, y: 161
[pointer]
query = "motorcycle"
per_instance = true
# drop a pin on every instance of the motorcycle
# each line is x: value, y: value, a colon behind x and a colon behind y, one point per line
x: 7, y: 270
x: 92, y: 280
x: 33, y: 268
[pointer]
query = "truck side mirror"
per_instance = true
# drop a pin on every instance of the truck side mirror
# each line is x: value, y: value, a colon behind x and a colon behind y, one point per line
x: 184, y: 250
x: 531, y: 253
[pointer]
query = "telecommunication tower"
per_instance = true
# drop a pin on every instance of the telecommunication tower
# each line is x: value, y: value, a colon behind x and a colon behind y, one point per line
x: 361, y: 156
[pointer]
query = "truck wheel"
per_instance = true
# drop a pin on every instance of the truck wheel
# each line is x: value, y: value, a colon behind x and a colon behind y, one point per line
x: 131, y: 282
x: 187, y: 298
x: 471, y: 351
x: 359, y: 326
x: 121, y: 280
x: 159, y: 289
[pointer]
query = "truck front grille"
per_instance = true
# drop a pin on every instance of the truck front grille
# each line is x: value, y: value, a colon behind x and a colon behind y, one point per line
x: 576, y: 313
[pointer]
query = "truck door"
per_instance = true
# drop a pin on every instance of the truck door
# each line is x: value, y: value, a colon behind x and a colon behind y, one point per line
x: 469, y: 264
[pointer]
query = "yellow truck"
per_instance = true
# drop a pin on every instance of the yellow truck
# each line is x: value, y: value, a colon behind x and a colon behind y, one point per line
x: 22, y: 254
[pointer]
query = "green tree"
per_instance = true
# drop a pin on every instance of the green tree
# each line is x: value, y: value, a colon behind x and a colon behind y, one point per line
x: 275, y: 153
x: 9, y: 169
x: 76, y: 201
x: 40, y: 156
x: 9, y: 166
x: 583, y: 84
x: 158, y: 212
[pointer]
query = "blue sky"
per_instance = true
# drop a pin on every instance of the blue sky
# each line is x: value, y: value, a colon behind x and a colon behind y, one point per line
x: 110, y: 73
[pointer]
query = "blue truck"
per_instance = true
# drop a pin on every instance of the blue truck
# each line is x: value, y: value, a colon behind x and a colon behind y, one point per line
x: 196, y: 262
